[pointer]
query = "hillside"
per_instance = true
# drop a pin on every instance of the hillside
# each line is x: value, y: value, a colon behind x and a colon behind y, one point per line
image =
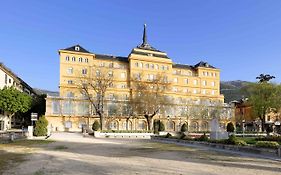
x: 232, y: 89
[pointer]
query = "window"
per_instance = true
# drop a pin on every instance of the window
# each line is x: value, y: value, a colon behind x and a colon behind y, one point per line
x: 163, y: 67
x: 136, y: 64
x: 195, y: 82
x: 6, y: 79
x: 194, y: 91
x: 156, y: 66
x: 70, y: 94
x: 204, y: 82
x: 213, y: 83
x: 175, y: 89
x: 86, y: 60
x: 150, y: 77
x: 69, y: 70
x: 111, y: 65
x: 110, y: 84
x: 185, y: 90
x: 203, y: 91
x: 175, y: 80
x: 80, y: 59
x: 123, y: 86
x: 10, y: 81
x: 138, y: 76
x: 215, y: 74
x: 165, y: 79
x: 152, y: 66
x: 102, y: 64
x: 186, y: 81
x: 77, y: 48
x: 141, y: 65
x: 55, y: 107
x: 69, y: 82
x: 147, y: 66
x: 123, y: 75
x: 73, y: 58
x: 110, y: 74
x: 67, y: 58
x: 98, y: 73
x: 84, y: 71
x: 213, y: 92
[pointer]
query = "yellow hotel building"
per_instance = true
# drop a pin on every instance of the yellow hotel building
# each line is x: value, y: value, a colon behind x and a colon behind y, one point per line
x: 195, y: 90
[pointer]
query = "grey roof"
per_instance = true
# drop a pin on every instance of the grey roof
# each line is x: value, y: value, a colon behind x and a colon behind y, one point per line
x: 81, y: 49
x: 182, y: 66
x: 111, y: 57
x: 204, y: 64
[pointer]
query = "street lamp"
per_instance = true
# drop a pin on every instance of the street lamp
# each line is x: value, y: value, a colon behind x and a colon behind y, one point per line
x: 243, y: 125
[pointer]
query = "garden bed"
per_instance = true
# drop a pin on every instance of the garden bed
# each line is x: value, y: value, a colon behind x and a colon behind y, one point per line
x: 273, y: 152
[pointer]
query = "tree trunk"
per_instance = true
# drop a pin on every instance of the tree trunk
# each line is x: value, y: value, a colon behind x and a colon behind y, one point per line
x: 263, y: 123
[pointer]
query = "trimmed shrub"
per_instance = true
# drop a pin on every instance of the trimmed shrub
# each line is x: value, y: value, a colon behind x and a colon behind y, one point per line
x: 168, y: 135
x: 158, y: 126
x: 41, y: 127
x: 96, y: 126
x: 271, y: 138
x: 184, y: 127
x: 161, y: 126
x: 267, y: 144
x: 230, y: 127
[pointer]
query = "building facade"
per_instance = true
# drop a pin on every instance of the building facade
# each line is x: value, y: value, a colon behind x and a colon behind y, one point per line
x: 9, y: 79
x: 194, y: 90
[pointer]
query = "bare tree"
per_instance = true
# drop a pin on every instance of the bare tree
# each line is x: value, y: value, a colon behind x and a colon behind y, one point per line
x: 94, y: 88
x: 148, y: 96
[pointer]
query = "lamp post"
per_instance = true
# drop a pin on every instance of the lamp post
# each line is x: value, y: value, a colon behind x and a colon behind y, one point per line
x: 243, y: 129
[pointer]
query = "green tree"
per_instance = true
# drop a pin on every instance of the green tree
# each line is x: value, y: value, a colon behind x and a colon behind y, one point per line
x: 264, y: 97
x: 14, y: 101
x: 41, y: 127
x: 230, y: 127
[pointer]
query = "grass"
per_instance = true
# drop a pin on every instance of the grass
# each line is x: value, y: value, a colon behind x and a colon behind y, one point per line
x: 248, y: 140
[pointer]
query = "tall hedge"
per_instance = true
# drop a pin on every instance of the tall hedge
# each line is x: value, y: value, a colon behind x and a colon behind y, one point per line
x: 96, y: 126
x: 41, y: 127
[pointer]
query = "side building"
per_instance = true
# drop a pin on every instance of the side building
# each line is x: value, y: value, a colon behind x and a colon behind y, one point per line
x: 194, y: 90
x: 9, y: 79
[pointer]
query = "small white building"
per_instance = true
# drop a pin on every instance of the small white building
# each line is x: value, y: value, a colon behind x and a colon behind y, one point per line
x: 8, y: 79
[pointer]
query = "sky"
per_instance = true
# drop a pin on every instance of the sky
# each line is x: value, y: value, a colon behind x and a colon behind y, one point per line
x: 241, y: 37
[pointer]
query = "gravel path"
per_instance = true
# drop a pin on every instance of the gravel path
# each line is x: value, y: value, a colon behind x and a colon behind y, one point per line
x: 74, y: 154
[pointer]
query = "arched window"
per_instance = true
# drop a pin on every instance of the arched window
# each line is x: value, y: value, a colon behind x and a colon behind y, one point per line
x: 86, y: 60
x: 142, y: 125
x: 194, y: 127
x: 171, y: 126
x: 73, y: 59
x: 80, y: 59
x: 67, y: 58
x: 113, y: 125
x: 205, y: 126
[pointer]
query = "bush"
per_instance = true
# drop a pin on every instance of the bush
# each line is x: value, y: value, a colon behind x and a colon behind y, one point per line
x: 184, y: 127
x: 41, y: 127
x: 267, y: 144
x: 232, y: 140
x: 230, y: 127
x: 202, y: 138
x: 271, y: 138
x: 96, y: 126
x: 168, y: 135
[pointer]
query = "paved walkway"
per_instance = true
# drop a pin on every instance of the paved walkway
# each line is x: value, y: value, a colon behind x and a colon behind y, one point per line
x: 74, y: 154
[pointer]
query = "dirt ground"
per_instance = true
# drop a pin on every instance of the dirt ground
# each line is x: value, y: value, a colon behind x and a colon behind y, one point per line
x: 73, y: 154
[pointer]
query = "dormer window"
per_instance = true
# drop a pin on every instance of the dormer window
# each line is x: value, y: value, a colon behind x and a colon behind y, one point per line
x: 77, y: 48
